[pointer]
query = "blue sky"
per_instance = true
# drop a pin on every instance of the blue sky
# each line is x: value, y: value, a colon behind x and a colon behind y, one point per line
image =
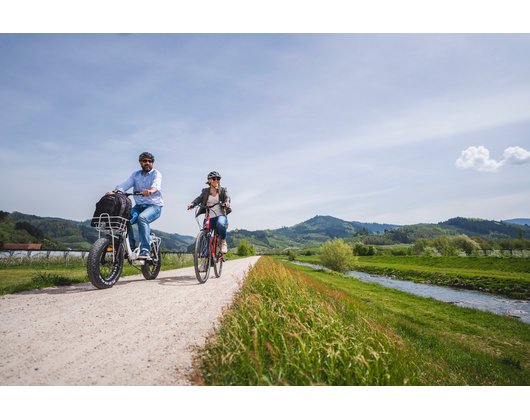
x: 386, y: 128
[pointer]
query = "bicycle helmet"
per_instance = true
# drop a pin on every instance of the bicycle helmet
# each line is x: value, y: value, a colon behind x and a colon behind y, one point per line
x: 214, y: 174
x: 146, y: 155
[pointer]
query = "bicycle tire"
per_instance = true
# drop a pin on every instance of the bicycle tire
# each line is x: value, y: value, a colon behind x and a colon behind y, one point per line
x: 218, y: 261
x: 103, y: 273
x: 151, y: 267
x: 202, y: 256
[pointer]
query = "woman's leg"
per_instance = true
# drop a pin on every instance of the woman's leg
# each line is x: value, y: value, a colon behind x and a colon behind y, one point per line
x: 222, y: 221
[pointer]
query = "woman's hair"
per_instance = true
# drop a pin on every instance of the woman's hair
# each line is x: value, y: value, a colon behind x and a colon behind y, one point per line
x: 208, y: 183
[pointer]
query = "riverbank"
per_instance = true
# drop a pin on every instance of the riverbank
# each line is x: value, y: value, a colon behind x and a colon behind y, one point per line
x: 509, y: 277
x: 293, y: 325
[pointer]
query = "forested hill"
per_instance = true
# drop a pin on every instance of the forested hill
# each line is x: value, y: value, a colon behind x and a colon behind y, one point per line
x: 316, y: 231
x: 486, y: 229
x: 320, y: 229
x: 54, y: 232
x: 68, y: 233
x: 518, y: 221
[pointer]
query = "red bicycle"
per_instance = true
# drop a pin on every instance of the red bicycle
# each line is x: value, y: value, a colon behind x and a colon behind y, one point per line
x: 207, y: 248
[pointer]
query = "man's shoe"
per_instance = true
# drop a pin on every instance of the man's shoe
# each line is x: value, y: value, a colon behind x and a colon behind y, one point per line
x: 224, y: 249
x: 144, y: 255
x: 202, y: 268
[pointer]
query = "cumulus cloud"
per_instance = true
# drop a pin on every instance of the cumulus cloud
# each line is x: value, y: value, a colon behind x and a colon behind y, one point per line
x: 479, y: 158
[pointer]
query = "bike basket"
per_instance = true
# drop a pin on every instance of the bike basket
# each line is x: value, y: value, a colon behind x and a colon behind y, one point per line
x: 108, y: 223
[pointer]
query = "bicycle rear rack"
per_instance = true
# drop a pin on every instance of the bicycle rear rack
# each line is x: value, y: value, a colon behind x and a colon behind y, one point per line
x: 110, y: 224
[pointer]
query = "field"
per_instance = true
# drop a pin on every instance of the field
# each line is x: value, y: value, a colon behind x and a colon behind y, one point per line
x: 292, y: 325
x: 39, y: 274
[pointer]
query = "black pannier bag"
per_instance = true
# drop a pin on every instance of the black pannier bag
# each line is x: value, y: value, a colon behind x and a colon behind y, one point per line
x: 114, y: 205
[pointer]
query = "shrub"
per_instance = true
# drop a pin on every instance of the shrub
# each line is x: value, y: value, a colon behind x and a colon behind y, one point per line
x: 242, y: 248
x: 308, y: 253
x: 336, y: 255
x: 445, y: 247
x: 429, y: 251
x: 291, y: 254
x: 420, y: 245
x: 465, y: 243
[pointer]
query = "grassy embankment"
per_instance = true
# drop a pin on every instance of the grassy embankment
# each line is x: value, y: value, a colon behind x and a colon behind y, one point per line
x: 508, y: 277
x: 39, y: 274
x: 300, y: 326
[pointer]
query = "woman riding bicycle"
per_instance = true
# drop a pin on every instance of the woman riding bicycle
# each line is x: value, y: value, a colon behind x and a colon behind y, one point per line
x: 215, y: 194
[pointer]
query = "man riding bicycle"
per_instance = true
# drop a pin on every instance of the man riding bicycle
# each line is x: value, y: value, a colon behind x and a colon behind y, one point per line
x: 149, y: 205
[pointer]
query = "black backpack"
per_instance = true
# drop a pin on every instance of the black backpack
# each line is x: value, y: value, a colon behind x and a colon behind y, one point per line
x: 114, y: 205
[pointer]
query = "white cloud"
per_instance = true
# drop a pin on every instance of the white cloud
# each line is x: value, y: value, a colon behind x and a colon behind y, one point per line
x: 479, y: 158
x: 516, y: 156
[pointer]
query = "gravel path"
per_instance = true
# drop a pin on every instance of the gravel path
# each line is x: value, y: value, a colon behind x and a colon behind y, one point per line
x: 139, y: 332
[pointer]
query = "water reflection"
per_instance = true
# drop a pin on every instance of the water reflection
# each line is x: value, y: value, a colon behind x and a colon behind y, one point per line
x: 459, y: 297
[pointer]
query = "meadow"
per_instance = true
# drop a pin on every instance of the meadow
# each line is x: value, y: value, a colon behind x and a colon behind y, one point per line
x: 294, y: 325
x: 37, y: 273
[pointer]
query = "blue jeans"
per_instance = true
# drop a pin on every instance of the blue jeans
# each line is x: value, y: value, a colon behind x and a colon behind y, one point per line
x: 143, y: 214
x: 221, y: 223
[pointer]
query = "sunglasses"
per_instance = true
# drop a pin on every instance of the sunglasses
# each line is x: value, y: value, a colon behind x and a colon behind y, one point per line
x: 147, y: 161
x: 215, y: 179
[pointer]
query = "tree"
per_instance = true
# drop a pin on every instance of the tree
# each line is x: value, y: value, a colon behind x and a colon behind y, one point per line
x: 420, y: 245
x: 242, y: 248
x: 291, y: 254
x: 362, y: 232
x: 251, y: 251
x: 336, y: 255
x: 465, y: 243
x: 444, y: 246
x: 520, y: 233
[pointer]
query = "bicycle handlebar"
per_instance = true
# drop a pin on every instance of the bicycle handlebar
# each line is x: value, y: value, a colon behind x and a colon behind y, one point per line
x: 207, y: 207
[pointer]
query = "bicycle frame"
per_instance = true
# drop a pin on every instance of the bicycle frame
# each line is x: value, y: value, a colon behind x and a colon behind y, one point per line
x: 213, y: 234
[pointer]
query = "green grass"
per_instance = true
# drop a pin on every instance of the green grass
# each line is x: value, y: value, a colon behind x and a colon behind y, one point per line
x: 508, y: 277
x: 300, y: 326
x: 19, y: 278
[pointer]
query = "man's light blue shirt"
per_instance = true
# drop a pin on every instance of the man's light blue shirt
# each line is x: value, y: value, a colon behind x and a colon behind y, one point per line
x: 140, y: 182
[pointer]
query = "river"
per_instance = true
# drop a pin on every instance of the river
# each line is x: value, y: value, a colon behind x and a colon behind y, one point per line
x: 459, y: 297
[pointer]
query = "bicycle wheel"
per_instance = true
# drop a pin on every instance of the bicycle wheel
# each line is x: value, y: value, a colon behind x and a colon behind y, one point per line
x: 201, y: 257
x: 151, y: 267
x: 218, y: 260
x: 103, y: 269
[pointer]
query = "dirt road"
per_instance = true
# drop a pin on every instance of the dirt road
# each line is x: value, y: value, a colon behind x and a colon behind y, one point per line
x: 139, y: 332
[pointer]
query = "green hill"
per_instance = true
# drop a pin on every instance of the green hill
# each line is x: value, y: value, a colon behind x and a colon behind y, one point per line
x: 314, y: 231
x: 22, y: 232
x: 68, y: 233
x: 320, y: 229
x: 518, y: 221
x: 485, y: 229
